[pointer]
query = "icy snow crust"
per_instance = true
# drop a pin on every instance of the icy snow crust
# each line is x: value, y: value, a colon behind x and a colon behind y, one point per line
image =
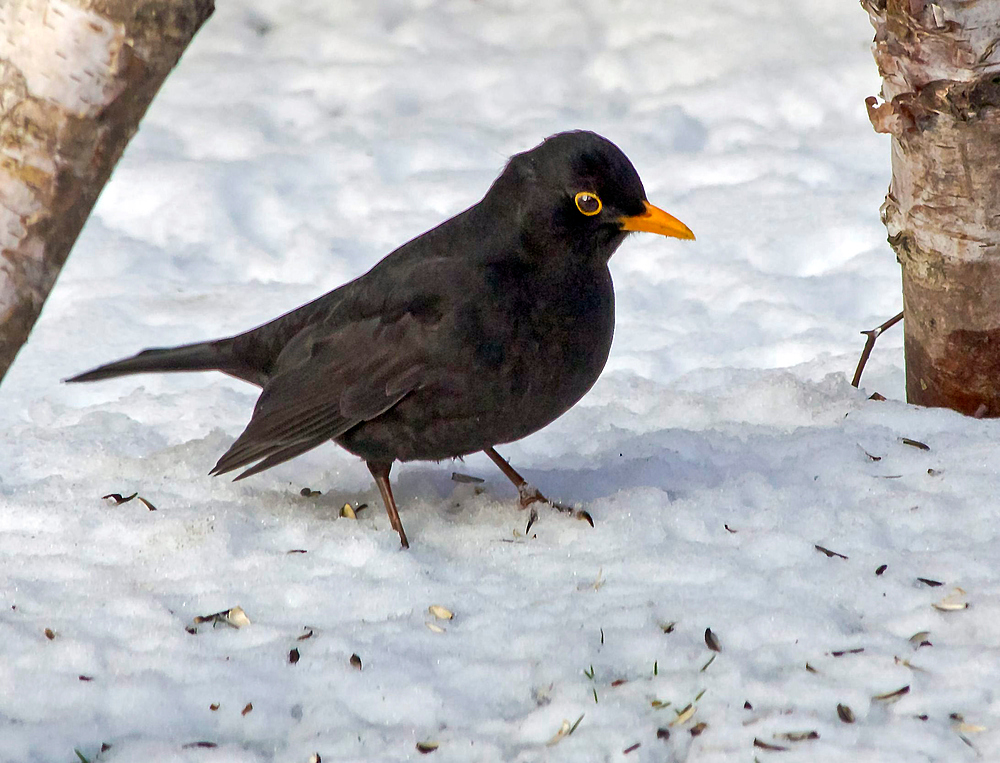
x: 298, y: 143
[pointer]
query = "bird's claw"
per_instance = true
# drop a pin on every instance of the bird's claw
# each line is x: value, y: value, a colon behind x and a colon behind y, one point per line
x: 529, y: 494
x: 531, y: 520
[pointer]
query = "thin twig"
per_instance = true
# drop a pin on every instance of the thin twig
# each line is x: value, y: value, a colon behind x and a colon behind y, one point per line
x: 872, y: 335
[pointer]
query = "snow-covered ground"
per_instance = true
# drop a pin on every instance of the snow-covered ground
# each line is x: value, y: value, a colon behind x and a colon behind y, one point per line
x: 296, y: 144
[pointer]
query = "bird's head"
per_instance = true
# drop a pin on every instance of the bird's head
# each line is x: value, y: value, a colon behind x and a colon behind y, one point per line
x: 580, y: 190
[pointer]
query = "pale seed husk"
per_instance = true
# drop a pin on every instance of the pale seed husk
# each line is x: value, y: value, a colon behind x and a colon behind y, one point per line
x: 237, y: 618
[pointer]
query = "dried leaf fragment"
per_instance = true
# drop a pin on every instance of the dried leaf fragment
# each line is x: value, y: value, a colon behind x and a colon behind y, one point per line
x: 347, y: 511
x: 427, y: 747
x: 845, y: 713
x: 248, y: 708
x: 842, y: 652
x: 907, y: 664
x: 914, y: 443
x: 50, y: 634
x: 441, y: 613
x: 466, y: 478
x: 712, y: 641
x: 214, y: 706
x: 315, y: 758
x: 765, y: 746
x: 202, y: 745
x: 798, y: 736
x: 930, y: 583
x: 632, y: 748
x: 870, y: 456
x: 307, y: 634
x: 663, y: 733
x: 146, y: 503
x: 828, y: 552
x: 118, y: 498
x: 355, y: 661
x: 585, y: 516
x: 892, y: 696
x: 698, y: 728
x: 434, y: 628
x: 668, y: 627
x: 710, y: 661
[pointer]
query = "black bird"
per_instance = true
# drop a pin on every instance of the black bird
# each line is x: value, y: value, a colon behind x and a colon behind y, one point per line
x: 478, y: 332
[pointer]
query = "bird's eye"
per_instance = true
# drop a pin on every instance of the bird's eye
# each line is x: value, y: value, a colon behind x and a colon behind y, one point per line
x: 588, y: 203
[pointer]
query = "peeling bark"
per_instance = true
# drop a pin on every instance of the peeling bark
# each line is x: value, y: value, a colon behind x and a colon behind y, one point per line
x: 76, y: 76
x: 940, y: 68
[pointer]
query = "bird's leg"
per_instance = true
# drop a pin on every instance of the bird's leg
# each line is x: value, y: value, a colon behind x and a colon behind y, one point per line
x: 530, y: 494
x: 381, y: 474
x: 527, y: 492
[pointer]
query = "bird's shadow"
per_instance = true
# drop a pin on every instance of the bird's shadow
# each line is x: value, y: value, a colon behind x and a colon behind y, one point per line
x: 676, y: 461
x: 680, y: 462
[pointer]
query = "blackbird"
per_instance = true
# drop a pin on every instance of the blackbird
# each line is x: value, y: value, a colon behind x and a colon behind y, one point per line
x: 478, y: 332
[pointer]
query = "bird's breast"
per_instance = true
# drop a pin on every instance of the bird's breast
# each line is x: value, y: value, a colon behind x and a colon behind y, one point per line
x: 538, y: 345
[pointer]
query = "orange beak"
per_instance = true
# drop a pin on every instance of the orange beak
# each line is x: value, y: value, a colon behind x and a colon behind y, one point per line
x: 655, y: 220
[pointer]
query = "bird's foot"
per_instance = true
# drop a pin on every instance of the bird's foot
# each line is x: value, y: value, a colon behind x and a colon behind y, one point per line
x: 529, y: 494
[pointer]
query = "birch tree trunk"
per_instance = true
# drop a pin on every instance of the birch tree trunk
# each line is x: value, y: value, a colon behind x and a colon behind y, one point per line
x: 940, y: 68
x: 76, y: 76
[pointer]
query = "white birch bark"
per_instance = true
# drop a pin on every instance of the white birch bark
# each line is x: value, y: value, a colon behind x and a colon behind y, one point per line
x: 76, y: 76
x: 940, y: 68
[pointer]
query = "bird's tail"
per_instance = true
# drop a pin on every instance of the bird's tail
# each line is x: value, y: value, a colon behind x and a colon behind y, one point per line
x: 203, y: 356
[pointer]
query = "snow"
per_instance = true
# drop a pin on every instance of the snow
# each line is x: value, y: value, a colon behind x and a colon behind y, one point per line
x: 295, y: 145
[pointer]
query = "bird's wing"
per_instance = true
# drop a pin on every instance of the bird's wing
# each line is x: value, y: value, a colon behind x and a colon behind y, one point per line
x: 328, y: 381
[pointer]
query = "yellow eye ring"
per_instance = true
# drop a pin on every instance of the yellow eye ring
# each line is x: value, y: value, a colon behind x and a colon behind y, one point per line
x: 588, y: 203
